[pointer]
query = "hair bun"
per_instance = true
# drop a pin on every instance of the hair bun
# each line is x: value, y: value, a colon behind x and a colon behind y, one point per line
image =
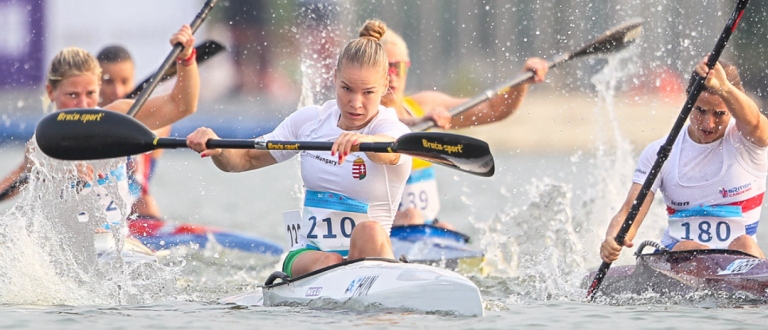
x: 374, y: 29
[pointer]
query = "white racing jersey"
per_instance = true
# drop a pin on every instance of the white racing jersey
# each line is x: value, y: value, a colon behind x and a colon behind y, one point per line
x: 713, y: 192
x: 113, y: 215
x: 340, y: 196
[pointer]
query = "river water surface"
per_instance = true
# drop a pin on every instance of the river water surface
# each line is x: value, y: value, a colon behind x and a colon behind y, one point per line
x: 540, y: 220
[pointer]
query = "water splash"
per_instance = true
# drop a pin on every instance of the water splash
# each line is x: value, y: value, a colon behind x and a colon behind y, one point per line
x: 49, y: 255
x: 542, y: 251
x: 320, y: 36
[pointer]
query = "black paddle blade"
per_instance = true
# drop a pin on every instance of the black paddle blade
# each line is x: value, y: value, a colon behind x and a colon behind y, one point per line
x: 204, y: 51
x: 86, y: 134
x: 453, y: 150
x: 613, y: 40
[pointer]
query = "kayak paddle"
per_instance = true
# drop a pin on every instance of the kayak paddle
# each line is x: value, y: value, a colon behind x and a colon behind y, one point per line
x: 611, y: 41
x: 85, y: 134
x: 666, y: 148
x: 204, y: 51
x: 150, y: 85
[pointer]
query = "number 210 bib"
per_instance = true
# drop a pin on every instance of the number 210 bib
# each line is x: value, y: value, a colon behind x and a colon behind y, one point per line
x: 327, y: 221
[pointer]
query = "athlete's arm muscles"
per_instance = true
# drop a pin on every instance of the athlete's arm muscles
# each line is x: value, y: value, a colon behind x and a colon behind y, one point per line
x: 9, y: 186
x: 238, y: 160
x: 618, y: 219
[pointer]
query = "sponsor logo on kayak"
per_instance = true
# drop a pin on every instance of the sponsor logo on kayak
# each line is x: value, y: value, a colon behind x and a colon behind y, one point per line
x: 314, y: 291
x: 443, y: 147
x: 360, y: 286
x: 735, y: 191
x: 739, y: 266
x: 78, y: 117
x: 359, y: 170
x: 281, y: 146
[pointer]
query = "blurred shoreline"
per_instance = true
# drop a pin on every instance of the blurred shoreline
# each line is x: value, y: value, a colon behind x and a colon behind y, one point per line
x: 544, y: 123
x: 579, y: 122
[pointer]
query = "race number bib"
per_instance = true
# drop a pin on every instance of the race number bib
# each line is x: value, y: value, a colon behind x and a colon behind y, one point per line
x: 328, y: 219
x: 421, y: 193
x: 716, y: 233
x: 113, y: 214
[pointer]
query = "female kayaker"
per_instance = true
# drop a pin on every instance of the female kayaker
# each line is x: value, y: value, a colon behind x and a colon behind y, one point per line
x: 351, y: 197
x: 74, y: 80
x: 714, y: 179
x: 421, y: 200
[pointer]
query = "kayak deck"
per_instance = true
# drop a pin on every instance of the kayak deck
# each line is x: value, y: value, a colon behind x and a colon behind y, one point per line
x: 677, y: 273
x: 374, y: 282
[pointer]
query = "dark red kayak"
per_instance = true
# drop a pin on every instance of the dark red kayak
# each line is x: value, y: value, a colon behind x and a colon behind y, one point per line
x: 676, y: 273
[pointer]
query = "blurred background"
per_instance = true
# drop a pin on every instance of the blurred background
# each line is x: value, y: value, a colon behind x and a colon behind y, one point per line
x: 280, y: 54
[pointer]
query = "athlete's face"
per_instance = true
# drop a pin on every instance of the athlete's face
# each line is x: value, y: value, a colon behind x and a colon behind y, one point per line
x: 709, y: 119
x: 398, y: 73
x: 75, y: 92
x: 116, y: 81
x: 358, y: 92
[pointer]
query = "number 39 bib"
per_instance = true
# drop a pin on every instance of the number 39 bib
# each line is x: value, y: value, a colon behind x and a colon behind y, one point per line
x: 421, y: 193
x: 328, y: 220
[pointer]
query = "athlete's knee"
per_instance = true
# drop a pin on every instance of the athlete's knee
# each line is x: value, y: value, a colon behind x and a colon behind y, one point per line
x: 328, y: 259
x: 368, y: 229
x: 746, y: 244
x: 689, y: 245
x: 313, y: 260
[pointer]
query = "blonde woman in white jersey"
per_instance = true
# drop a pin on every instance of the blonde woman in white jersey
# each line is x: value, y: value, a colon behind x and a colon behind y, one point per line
x: 351, y: 197
x: 714, y: 180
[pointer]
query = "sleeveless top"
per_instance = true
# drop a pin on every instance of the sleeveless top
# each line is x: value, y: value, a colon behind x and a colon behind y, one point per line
x: 713, y: 192
x: 339, y: 196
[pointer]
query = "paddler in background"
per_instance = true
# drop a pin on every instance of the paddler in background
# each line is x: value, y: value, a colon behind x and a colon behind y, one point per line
x: 714, y: 179
x: 117, y: 80
x: 421, y: 201
x: 351, y: 197
x: 74, y: 80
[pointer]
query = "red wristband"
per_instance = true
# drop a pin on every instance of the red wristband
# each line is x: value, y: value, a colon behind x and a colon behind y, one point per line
x: 189, y: 60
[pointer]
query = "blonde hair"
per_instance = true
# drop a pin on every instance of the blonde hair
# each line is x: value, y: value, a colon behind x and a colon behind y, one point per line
x: 72, y: 62
x: 392, y: 38
x: 366, y: 51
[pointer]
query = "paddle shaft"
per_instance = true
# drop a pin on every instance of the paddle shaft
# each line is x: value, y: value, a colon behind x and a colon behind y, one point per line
x: 611, y: 41
x: 489, y: 94
x: 170, y: 59
x: 173, y: 143
x: 204, y: 50
x: 666, y: 148
x: 15, y: 186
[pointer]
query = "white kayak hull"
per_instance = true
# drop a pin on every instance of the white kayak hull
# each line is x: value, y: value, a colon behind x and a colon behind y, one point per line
x: 383, y: 283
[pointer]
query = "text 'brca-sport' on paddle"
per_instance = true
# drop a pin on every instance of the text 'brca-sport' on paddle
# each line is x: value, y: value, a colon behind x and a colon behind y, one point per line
x: 87, y: 134
x: 613, y: 40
